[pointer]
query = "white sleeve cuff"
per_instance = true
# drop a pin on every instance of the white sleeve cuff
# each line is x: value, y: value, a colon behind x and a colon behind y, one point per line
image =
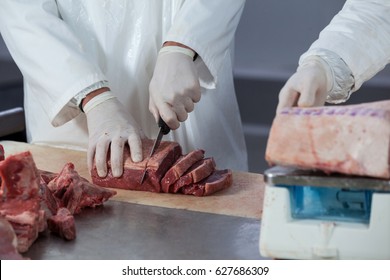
x: 342, y: 78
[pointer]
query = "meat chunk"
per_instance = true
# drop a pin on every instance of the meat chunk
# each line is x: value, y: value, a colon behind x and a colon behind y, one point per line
x: 156, y: 166
x: 20, y: 204
x: 63, y: 224
x: 8, y: 242
x: 74, y: 192
x: 181, y: 166
x: 352, y: 139
x: 218, y: 180
x: 200, y: 170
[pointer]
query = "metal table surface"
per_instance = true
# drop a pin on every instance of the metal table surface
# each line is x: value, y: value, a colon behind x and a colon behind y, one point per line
x: 128, y: 231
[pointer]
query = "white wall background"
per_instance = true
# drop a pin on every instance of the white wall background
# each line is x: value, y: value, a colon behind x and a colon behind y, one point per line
x: 273, y: 34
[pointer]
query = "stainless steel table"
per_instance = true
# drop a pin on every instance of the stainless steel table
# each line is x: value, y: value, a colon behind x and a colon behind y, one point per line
x: 120, y: 231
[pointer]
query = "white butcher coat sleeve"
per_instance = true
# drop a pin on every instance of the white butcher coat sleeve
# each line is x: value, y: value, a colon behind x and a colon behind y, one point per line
x: 360, y: 35
x: 49, y: 56
x: 207, y: 27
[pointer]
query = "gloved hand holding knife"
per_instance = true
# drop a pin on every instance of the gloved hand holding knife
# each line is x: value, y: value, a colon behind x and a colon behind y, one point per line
x: 173, y: 90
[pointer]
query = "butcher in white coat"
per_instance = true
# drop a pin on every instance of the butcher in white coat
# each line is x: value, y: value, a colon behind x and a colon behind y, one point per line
x: 99, y: 73
x: 349, y: 51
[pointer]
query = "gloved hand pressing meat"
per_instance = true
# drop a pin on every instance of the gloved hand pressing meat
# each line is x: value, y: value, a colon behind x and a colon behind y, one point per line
x: 174, y: 87
x: 308, y: 86
x: 111, y: 126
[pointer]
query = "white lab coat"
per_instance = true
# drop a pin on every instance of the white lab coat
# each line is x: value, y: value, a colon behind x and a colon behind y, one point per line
x: 64, y: 46
x: 360, y: 35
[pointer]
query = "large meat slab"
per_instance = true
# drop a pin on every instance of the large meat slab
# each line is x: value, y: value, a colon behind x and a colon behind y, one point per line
x: 352, y: 139
x: 168, y: 171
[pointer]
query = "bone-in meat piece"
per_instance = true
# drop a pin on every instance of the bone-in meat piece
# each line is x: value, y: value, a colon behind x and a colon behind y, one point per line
x: 352, y: 139
x: 75, y: 192
x: 20, y: 203
x: 8, y: 242
x: 63, y: 224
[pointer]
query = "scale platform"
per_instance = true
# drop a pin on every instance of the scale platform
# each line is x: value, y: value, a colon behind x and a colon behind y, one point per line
x: 311, y: 215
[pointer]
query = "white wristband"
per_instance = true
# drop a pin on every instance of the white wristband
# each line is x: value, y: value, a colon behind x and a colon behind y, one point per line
x: 98, y: 99
x: 171, y: 49
x: 78, y: 98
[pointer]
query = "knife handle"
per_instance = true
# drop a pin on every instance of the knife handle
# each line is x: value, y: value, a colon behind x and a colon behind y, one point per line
x: 164, y: 127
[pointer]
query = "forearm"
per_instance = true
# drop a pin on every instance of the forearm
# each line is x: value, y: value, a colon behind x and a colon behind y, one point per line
x: 360, y: 35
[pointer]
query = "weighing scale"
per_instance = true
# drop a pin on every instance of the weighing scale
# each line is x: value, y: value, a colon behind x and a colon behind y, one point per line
x: 312, y: 215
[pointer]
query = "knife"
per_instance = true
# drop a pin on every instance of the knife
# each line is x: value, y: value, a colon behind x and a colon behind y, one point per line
x: 164, y: 129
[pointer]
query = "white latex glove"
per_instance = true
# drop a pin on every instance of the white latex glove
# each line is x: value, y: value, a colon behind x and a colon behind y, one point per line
x: 308, y: 86
x: 174, y: 87
x: 111, y: 126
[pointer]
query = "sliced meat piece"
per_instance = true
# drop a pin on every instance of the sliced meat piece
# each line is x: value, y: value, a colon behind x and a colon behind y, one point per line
x: 74, y: 192
x: 200, y: 170
x: 8, y: 242
x: 352, y: 139
x: 218, y: 180
x: 181, y: 166
x: 63, y: 224
x: 156, y: 166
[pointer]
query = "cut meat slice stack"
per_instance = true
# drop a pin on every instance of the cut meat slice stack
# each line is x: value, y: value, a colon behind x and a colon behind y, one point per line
x: 168, y: 171
x: 217, y: 181
x: 197, y: 172
x: 179, y: 168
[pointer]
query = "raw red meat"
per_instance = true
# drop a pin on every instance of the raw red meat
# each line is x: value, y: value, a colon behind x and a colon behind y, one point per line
x: 8, y: 242
x: 74, y: 192
x: 63, y: 224
x: 1, y: 153
x: 28, y: 203
x: 20, y: 203
x: 200, y: 170
x: 168, y: 171
x: 156, y: 166
x: 352, y: 139
x: 219, y: 180
x: 178, y: 169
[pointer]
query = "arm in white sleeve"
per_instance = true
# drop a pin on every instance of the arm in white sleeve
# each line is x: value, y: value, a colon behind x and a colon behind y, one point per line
x: 49, y: 55
x: 356, y: 45
x: 208, y: 28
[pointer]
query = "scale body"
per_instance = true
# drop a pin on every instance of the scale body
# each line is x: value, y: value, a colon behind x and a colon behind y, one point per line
x: 311, y: 215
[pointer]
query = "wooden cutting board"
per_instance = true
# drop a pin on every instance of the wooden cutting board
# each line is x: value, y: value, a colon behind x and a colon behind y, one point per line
x: 243, y: 199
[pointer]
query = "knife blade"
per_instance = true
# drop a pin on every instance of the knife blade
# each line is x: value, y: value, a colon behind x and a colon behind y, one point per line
x: 164, y: 129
